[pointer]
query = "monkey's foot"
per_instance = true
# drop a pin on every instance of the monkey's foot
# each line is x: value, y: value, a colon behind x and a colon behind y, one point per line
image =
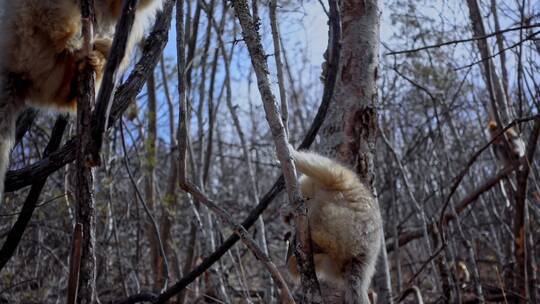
x: 103, y: 45
x: 97, y: 61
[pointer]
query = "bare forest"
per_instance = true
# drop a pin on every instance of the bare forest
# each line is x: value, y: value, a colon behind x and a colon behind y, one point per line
x: 177, y: 182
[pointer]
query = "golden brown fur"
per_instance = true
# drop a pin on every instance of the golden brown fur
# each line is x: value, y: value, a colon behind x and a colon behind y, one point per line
x: 462, y: 273
x: 506, y: 154
x: 40, y: 56
x: 344, y: 220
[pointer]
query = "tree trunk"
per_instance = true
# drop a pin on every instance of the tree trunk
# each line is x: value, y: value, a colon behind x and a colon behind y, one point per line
x: 86, y: 208
x: 493, y: 82
x: 150, y: 185
x: 349, y: 131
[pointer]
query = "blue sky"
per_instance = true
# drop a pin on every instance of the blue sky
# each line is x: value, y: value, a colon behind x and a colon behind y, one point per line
x: 304, y: 30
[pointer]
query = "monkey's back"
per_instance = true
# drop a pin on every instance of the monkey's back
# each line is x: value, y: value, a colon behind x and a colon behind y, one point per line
x: 344, y: 218
x: 343, y: 227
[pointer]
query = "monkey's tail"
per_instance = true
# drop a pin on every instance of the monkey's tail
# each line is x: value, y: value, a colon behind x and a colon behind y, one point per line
x: 8, y: 117
x: 326, y: 172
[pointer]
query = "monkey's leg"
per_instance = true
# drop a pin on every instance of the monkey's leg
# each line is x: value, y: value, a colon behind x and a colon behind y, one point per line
x: 98, y: 59
x: 9, y: 110
x: 68, y: 67
x: 357, y: 279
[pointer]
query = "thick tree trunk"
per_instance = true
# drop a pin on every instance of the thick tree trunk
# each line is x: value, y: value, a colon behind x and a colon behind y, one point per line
x: 349, y: 131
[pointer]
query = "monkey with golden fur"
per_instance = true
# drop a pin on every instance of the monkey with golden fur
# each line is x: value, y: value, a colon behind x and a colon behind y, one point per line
x: 41, y: 54
x: 516, y: 147
x: 344, y: 221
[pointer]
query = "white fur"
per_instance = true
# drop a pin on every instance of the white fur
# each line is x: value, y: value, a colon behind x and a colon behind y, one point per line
x: 345, y: 223
x: 8, y: 117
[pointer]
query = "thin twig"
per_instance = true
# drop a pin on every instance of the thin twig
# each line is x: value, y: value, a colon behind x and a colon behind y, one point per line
x: 528, y: 37
x: 471, y: 161
x: 303, y: 248
x: 75, y: 264
x: 427, y: 47
x: 146, y: 209
x: 279, y: 64
x: 16, y: 233
x: 412, y: 290
x: 239, y: 230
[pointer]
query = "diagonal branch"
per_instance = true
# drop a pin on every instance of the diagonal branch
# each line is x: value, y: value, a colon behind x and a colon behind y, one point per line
x: 303, y: 250
x: 116, y: 55
x: 334, y: 48
x: 15, y: 234
x: 243, y: 234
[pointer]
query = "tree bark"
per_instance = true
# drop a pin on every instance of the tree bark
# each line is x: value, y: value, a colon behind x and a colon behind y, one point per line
x: 150, y: 182
x: 348, y: 133
x: 86, y: 208
x: 303, y: 250
x: 521, y: 224
x: 493, y: 82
